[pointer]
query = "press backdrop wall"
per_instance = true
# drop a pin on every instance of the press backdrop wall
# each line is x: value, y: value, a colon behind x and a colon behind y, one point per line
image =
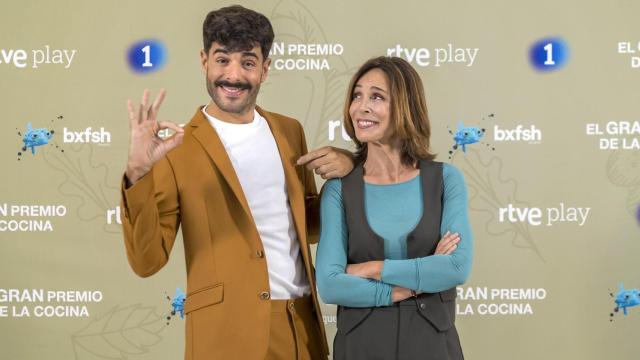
x: 553, y: 206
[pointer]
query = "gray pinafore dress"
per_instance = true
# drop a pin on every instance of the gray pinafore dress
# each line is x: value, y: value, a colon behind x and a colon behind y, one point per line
x: 416, y: 328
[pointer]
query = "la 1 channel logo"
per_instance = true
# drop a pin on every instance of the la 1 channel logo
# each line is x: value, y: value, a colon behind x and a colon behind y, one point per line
x: 146, y: 56
x: 549, y: 54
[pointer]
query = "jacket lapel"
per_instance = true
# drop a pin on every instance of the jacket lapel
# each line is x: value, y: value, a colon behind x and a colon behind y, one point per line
x: 208, y: 138
x: 206, y: 135
x: 294, y: 187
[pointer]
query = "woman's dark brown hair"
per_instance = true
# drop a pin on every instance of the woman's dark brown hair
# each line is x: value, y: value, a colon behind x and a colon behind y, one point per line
x: 408, y: 109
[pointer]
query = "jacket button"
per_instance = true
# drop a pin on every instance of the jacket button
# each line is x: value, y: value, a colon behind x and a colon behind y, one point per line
x: 265, y: 295
x: 260, y: 253
x: 422, y: 306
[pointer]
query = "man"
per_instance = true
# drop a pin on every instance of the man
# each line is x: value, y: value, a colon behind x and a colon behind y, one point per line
x: 248, y: 211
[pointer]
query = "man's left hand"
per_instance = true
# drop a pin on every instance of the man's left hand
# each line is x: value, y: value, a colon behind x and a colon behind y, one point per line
x: 328, y: 162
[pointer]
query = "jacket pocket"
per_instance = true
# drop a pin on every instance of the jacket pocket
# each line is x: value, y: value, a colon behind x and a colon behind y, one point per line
x: 433, y: 309
x: 349, y: 318
x: 449, y: 295
x: 204, y: 297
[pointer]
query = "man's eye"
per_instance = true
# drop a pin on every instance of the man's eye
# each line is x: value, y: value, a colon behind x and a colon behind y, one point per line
x: 221, y: 61
x: 249, y: 64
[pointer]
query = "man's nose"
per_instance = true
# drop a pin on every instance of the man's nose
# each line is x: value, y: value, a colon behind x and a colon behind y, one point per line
x: 233, y: 72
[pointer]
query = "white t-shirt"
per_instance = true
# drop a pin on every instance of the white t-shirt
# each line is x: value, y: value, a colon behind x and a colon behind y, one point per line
x: 255, y: 158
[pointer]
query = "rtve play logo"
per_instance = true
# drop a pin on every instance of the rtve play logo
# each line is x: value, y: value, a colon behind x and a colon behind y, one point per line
x: 35, y: 58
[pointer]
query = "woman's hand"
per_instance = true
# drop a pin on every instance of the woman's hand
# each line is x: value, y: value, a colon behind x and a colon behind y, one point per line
x: 447, y: 244
x: 399, y: 293
x: 367, y: 270
x: 373, y: 269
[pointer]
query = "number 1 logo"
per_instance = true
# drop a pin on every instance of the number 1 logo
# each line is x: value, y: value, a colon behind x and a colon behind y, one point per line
x: 146, y: 56
x: 549, y: 54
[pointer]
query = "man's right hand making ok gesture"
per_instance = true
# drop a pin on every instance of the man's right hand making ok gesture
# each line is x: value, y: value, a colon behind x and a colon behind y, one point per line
x: 145, y: 146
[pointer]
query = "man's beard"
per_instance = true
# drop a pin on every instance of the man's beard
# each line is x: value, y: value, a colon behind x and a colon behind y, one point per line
x: 233, y: 107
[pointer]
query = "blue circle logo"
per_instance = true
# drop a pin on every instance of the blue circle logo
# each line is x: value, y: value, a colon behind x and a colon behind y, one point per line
x: 147, y: 56
x: 549, y: 54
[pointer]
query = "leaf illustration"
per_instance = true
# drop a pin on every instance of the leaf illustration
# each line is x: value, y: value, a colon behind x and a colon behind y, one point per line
x: 87, y: 182
x: 119, y: 333
x: 297, y: 24
x: 623, y: 169
x: 490, y: 190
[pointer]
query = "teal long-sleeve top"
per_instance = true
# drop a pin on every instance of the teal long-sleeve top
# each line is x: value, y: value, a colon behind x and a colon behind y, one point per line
x: 392, y: 211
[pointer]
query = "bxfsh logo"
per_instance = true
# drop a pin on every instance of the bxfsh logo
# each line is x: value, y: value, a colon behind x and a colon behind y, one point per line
x: 34, y: 138
x: 467, y: 135
x: 532, y: 134
x: 87, y: 135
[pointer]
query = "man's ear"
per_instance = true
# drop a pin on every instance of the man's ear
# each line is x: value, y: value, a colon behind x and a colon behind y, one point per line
x: 265, y: 69
x: 203, y: 61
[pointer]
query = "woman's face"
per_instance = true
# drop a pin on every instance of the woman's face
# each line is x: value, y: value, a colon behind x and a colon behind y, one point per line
x: 370, y: 107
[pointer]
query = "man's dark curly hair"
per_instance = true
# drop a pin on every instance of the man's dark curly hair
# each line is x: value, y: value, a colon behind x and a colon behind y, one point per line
x: 238, y: 29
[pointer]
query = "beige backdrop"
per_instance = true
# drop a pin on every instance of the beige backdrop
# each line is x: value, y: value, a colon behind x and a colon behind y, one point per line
x: 575, y: 266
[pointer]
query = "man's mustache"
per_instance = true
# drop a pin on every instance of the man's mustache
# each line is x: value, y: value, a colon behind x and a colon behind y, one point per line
x: 239, y: 85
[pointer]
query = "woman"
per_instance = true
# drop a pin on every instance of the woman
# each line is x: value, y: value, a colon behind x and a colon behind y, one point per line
x: 395, y: 238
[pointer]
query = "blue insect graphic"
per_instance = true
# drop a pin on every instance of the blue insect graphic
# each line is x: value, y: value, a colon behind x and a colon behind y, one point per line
x: 177, y: 304
x: 466, y: 136
x: 625, y: 299
x: 35, y: 137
